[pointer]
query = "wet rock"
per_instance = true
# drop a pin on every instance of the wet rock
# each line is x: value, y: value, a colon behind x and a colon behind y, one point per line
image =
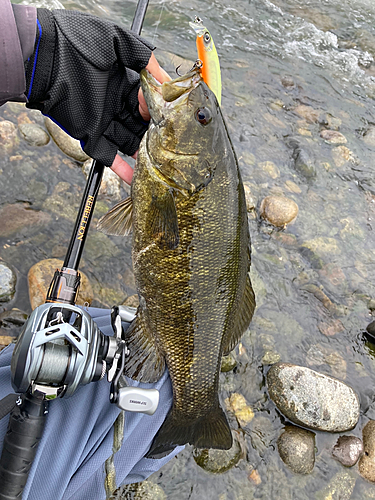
x: 270, y: 168
x: 371, y: 328
x: 310, y: 114
x: 262, y: 434
x: 323, y: 246
x: 342, y: 155
x: 11, y: 321
x: 5, y: 340
x: 250, y: 202
x: 331, y: 327
x: 71, y: 147
x: 319, y: 355
x: 333, y: 122
x: 228, y: 363
x: 8, y: 137
x: 366, y: 464
x: 39, y: 279
x: 311, y: 399
x: 347, y: 450
x: 369, y: 136
x: 340, y: 487
x: 304, y: 162
x: 139, y: 491
x: 63, y: 202
x: 287, y: 82
x: 293, y: 187
x: 333, y: 137
x: 19, y: 216
x: 7, y: 283
x: 33, y: 134
x: 132, y: 301
x: 110, y: 185
x: 278, y: 210
x: 238, y: 405
x: 219, y: 461
x: 297, y: 449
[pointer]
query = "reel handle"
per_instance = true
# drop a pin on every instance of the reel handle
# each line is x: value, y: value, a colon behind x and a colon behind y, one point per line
x: 25, y: 430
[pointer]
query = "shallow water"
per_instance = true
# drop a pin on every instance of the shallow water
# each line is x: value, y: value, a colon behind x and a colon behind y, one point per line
x: 277, y: 58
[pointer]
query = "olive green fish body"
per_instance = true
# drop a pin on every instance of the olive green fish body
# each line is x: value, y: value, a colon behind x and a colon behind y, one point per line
x: 191, y: 258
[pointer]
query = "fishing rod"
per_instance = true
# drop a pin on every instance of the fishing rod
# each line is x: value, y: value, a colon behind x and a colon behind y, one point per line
x: 60, y: 348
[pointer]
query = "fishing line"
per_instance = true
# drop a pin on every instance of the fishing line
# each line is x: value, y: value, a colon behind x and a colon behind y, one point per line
x: 158, y: 21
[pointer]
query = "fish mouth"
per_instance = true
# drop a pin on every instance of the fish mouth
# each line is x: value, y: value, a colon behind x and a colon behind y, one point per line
x: 169, y: 94
x: 198, y: 26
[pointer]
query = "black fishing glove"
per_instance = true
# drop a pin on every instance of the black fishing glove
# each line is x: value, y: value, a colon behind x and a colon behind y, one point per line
x: 84, y: 75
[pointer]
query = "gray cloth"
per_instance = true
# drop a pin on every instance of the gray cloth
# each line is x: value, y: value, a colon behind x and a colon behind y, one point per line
x: 17, y: 37
x: 78, y: 437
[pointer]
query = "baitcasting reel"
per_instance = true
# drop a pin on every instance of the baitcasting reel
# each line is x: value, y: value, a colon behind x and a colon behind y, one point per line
x: 61, y: 348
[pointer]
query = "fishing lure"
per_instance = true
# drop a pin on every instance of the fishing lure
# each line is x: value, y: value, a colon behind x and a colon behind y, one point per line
x: 207, y: 54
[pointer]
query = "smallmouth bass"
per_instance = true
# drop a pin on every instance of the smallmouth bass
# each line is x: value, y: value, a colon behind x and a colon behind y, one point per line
x: 191, y: 257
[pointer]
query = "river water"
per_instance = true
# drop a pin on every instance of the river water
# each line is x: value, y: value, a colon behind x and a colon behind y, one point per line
x: 290, y: 69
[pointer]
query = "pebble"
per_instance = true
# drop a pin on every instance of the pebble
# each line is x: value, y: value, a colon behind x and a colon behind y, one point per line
x: 342, y: 154
x: 219, y: 461
x: 110, y: 184
x: 278, y: 210
x: 347, y: 450
x: 7, y: 283
x: 12, y: 319
x: 39, y: 279
x: 8, y: 137
x: 292, y: 187
x: 145, y: 490
x: 270, y: 168
x: 369, y: 137
x: 308, y: 113
x: 33, y: 134
x: 323, y: 246
x: 311, y: 399
x: 333, y: 137
x: 297, y: 449
x: 238, y: 405
x: 340, y: 487
x: 19, y: 216
x: 71, y: 147
x: 366, y: 465
x: 304, y: 162
x: 228, y: 363
x: 250, y: 202
x: 371, y: 328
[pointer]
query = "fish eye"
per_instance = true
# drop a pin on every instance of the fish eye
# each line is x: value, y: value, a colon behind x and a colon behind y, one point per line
x: 203, y: 116
x: 207, y: 37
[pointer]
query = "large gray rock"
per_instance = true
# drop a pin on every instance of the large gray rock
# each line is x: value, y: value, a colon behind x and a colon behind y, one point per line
x: 297, y: 449
x: 7, y: 283
x: 312, y: 399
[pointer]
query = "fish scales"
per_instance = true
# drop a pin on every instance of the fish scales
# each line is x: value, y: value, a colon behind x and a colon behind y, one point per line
x: 191, y: 258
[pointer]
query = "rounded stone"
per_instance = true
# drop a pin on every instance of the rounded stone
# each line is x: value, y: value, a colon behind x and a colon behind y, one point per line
x: 12, y: 318
x: 278, y: 210
x: 238, y: 405
x: 33, y: 134
x: 71, y: 147
x: 311, y: 399
x: 7, y: 283
x: 228, y: 363
x: 366, y: 464
x: 39, y: 279
x: 19, y: 217
x: 297, y: 449
x: 333, y: 137
x: 8, y: 136
x: 219, y: 461
x: 145, y: 490
x: 347, y: 450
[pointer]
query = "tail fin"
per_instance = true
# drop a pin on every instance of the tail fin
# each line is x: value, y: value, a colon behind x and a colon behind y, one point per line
x: 209, y: 431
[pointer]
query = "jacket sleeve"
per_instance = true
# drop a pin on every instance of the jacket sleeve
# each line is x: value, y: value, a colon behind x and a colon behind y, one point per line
x: 17, y: 38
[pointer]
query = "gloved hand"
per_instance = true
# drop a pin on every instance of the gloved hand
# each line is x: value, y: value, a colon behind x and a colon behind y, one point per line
x: 84, y: 75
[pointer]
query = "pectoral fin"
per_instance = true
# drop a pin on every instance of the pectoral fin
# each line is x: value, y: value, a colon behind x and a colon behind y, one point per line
x: 163, y: 220
x: 118, y: 221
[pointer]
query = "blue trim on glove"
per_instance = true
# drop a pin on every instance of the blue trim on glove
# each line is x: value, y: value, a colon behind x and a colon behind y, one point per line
x: 35, y: 58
